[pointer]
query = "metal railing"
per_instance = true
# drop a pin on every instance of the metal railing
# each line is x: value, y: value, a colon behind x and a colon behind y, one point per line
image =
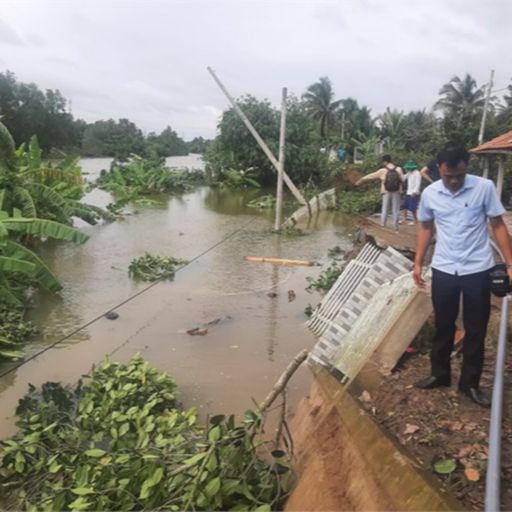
x: 493, y: 478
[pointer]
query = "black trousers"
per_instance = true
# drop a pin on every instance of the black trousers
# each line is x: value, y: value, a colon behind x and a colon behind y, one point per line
x: 476, y: 306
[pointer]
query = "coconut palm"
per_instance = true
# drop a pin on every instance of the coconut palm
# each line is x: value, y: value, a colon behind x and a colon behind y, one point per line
x: 320, y: 104
x: 392, y: 125
x: 356, y: 118
x: 461, y: 96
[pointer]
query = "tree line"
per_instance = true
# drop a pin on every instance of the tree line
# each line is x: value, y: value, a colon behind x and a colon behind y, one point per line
x: 26, y: 110
x: 317, y: 119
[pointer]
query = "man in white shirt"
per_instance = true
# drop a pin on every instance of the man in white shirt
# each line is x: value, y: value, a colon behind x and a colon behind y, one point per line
x: 458, y: 207
x: 412, y: 197
x: 391, y: 178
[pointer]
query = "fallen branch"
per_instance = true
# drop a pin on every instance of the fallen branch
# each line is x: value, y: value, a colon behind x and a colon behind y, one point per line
x: 280, y: 261
x: 283, y: 380
x: 282, y: 419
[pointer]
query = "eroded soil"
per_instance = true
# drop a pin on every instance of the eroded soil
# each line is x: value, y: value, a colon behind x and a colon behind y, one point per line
x: 441, y: 424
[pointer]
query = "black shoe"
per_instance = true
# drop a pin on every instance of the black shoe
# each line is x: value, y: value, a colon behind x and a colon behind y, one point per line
x: 477, y: 396
x: 433, y: 382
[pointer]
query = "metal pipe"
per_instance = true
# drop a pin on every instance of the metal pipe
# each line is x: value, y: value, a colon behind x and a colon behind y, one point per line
x: 492, y: 482
x: 493, y: 477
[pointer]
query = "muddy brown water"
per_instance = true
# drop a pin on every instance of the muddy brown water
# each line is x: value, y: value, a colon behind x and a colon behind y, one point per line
x: 243, y: 353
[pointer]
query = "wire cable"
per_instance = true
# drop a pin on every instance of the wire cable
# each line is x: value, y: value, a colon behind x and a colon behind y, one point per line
x: 117, y: 306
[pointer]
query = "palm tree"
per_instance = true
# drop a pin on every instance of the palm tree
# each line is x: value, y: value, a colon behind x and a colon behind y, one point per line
x: 392, y: 124
x: 508, y: 97
x: 461, y: 97
x: 319, y: 104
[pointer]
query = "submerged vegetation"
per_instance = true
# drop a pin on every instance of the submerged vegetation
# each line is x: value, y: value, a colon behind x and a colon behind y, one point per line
x: 120, y: 441
x: 146, y: 176
x: 13, y: 332
x: 323, y: 283
x: 151, y: 268
x: 38, y: 201
x: 234, y: 178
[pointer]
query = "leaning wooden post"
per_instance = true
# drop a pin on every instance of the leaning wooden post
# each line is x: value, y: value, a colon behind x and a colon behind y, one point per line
x: 279, y: 192
x: 501, y: 173
x: 295, y: 191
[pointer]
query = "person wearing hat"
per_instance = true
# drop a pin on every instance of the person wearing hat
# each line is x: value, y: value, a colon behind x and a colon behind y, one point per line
x: 412, y: 197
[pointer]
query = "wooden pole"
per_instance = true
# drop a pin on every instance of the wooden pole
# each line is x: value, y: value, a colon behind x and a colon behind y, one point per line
x: 486, y: 166
x: 295, y: 191
x: 279, y: 261
x: 279, y: 192
x: 501, y: 173
x: 486, y: 106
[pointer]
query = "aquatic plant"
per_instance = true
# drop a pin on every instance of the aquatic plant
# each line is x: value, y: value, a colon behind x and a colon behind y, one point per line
x: 13, y: 332
x: 151, y: 267
x: 146, y: 176
x: 328, y: 277
x: 120, y: 441
x: 262, y: 202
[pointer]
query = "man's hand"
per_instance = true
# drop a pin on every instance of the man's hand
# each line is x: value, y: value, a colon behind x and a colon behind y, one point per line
x: 417, y: 276
x: 357, y: 183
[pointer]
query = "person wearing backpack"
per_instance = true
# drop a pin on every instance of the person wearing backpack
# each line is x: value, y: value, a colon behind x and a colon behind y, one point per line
x: 391, y: 178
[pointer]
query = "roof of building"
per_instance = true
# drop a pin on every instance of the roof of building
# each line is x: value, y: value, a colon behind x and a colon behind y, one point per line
x: 501, y: 144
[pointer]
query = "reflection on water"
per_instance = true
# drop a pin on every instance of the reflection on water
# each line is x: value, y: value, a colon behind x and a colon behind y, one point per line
x: 242, y: 354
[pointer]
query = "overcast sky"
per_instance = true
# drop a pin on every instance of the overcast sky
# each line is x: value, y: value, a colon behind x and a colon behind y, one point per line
x: 146, y: 59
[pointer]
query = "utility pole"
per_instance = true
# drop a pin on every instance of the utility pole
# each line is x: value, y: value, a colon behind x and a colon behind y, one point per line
x: 295, y: 191
x: 280, y: 172
x: 343, y: 126
x: 484, y: 116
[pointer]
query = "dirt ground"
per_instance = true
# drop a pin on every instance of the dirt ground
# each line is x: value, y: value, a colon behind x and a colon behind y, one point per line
x: 440, y: 424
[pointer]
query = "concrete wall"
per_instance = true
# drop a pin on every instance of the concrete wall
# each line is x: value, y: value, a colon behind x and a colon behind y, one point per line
x: 346, y: 462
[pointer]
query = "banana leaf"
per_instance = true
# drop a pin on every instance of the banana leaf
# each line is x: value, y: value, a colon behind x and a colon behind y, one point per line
x: 9, y: 264
x: 7, y: 296
x: 11, y: 354
x: 88, y: 212
x: 43, y: 228
x: 42, y: 274
x: 50, y: 198
x: 25, y: 201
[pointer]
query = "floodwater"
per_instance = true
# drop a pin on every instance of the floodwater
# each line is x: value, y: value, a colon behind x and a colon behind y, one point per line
x: 252, y: 336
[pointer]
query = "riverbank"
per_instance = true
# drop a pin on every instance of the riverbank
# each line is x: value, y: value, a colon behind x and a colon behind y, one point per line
x: 443, y: 425
x: 439, y: 432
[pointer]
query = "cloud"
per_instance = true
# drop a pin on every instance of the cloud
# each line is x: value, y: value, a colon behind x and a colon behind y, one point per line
x: 147, y: 60
x: 8, y: 35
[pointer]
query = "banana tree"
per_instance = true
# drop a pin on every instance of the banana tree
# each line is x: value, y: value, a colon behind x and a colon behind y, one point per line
x: 16, y: 258
x: 20, y: 267
x: 40, y: 189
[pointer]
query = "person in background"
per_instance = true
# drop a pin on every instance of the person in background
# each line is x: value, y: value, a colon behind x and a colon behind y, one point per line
x: 431, y: 172
x: 458, y: 207
x: 412, y: 197
x: 391, y: 178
